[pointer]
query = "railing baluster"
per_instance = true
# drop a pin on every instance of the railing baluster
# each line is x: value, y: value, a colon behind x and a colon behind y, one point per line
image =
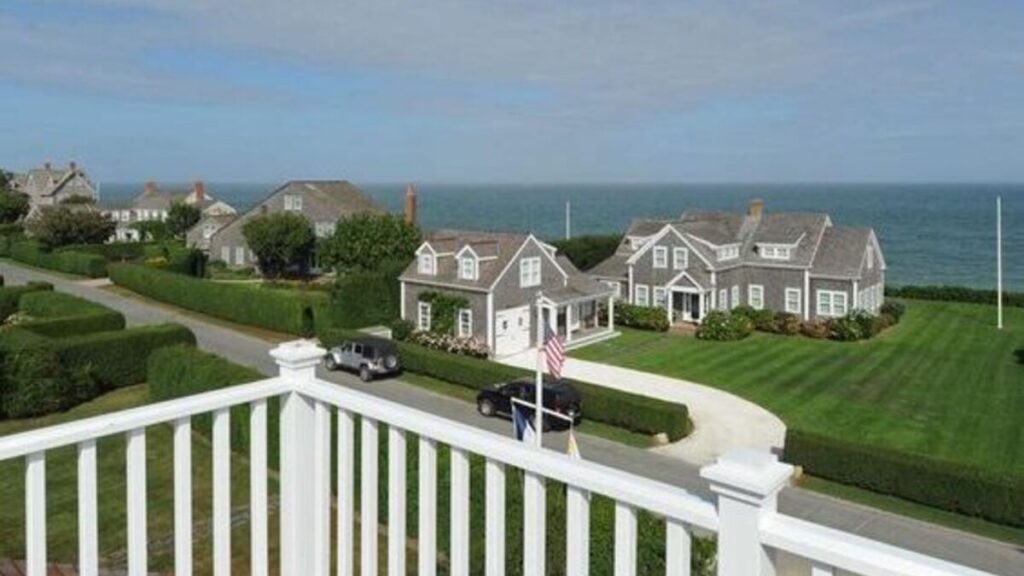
x: 346, y: 492
x: 495, y: 519
x: 396, y: 501
x: 322, y: 490
x: 428, y: 508
x: 137, y: 532
x: 534, y: 523
x: 35, y: 514
x: 368, y: 499
x: 183, y: 497
x: 258, y: 535
x: 677, y: 549
x: 818, y: 569
x: 577, y: 561
x: 459, y: 525
x: 88, y: 541
x: 222, y: 492
x: 625, y: 539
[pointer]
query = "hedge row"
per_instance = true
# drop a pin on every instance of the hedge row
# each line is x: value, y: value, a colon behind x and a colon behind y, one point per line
x: 11, y: 295
x: 58, y: 315
x: 278, y: 310
x: 70, y: 261
x: 118, y: 251
x: 945, y: 485
x: 641, y: 317
x: 119, y: 358
x: 364, y: 299
x: 630, y: 411
x: 955, y: 294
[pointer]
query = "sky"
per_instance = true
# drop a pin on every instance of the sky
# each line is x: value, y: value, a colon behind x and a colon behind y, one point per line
x: 516, y: 90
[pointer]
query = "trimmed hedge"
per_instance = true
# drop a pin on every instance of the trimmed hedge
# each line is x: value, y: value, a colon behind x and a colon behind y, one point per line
x: 944, y: 485
x: 114, y: 251
x: 362, y: 299
x: 11, y: 295
x: 58, y: 315
x: 70, y: 261
x: 641, y: 317
x: 120, y: 358
x: 630, y: 411
x: 955, y: 294
x: 278, y: 310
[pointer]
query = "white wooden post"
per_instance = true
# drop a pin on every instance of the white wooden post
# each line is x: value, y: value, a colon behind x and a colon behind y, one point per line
x: 611, y: 313
x: 568, y: 323
x: 747, y: 483
x: 297, y: 361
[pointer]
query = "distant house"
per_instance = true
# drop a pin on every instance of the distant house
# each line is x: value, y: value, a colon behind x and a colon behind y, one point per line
x: 50, y: 185
x: 499, y: 275
x: 322, y: 202
x: 153, y: 204
x: 792, y: 262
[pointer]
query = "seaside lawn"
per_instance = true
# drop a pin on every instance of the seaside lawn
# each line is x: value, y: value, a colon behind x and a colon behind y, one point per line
x: 944, y: 382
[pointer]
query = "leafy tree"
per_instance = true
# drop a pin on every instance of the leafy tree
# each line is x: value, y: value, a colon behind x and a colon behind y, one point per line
x: 61, y: 225
x: 282, y: 242
x: 78, y: 199
x: 152, y: 230
x: 5, y: 179
x: 13, y: 206
x: 585, y: 252
x: 181, y: 217
x: 366, y: 242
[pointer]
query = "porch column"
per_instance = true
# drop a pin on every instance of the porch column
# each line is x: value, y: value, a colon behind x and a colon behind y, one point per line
x: 611, y: 313
x: 568, y: 323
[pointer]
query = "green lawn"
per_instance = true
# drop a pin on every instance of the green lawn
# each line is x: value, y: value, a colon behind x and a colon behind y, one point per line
x: 944, y: 382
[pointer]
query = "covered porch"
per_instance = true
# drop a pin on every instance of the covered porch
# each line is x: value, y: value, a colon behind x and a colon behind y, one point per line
x: 687, y: 301
x: 581, y: 316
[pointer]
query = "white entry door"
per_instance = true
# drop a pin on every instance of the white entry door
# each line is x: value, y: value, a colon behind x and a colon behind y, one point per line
x: 512, y: 331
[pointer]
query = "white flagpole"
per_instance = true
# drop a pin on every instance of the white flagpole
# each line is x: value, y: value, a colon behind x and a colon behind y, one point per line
x: 568, y: 220
x: 538, y: 413
x: 999, y: 261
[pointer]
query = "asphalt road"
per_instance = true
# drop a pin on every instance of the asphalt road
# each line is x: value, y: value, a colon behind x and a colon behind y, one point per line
x: 248, y: 349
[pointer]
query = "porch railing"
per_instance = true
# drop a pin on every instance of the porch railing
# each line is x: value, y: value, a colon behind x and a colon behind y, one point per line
x: 750, y: 532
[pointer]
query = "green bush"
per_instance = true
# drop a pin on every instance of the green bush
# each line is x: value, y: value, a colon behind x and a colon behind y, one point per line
x: 1019, y: 353
x: 722, y: 326
x: 894, y: 309
x: 69, y: 261
x: 401, y: 329
x: 786, y: 323
x: 585, y: 252
x: 113, y: 251
x: 279, y: 310
x: 58, y: 314
x: 33, y: 382
x: 362, y: 299
x: 10, y: 295
x: 119, y: 358
x: 944, y: 485
x: 815, y: 329
x: 641, y: 317
x: 955, y: 294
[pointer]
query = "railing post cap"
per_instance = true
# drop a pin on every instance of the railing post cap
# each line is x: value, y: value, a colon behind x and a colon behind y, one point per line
x: 298, y: 354
x: 744, y: 472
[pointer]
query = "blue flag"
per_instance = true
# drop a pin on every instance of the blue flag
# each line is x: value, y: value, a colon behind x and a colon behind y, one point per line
x: 522, y: 427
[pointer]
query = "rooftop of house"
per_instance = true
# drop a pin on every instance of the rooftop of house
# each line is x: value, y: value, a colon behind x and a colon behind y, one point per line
x: 494, y: 251
x: 48, y: 179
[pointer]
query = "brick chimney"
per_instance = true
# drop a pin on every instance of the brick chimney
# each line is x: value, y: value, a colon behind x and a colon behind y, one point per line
x: 410, y: 204
x: 200, y: 190
x: 150, y: 187
x: 73, y: 166
x: 756, y: 208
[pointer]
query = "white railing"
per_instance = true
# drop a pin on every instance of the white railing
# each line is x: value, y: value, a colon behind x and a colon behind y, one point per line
x: 750, y: 533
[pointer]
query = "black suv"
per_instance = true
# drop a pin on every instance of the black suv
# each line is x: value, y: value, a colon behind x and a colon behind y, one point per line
x: 370, y: 357
x: 558, y: 396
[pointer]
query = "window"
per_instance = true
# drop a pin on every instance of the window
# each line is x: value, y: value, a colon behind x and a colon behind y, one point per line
x: 529, y: 272
x: 426, y: 264
x: 660, y: 257
x: 641, y: 295
x: 225, y: 254
x: 467, y: 268
x: 659, y: 297
x: 239, y: 255
x: 735, y: 297
x: 680, y: 258
x: 723, y: 299
x: 617, y: 287
x: 772, y: 252
x: 755, y: 296
x: 324, y: 229
x: 209, y: 230
x: 831, y: 303
x: 293, y: 202
x: 729, y: 252
x: 465, y: 323
x: 793, y: 300
x: 423, y: 316
x: 871, y: 258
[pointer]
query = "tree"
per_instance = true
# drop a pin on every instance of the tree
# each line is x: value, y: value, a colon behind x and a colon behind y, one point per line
x: 282, y: 242
x: 585, y: 252
x: 61, y: 225
x: 366, y: 242
x: 152, y: 230
x: 13, y: 206
x: 181, y: 217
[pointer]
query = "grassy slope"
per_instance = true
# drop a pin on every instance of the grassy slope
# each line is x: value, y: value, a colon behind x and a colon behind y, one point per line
x: 943, y: 383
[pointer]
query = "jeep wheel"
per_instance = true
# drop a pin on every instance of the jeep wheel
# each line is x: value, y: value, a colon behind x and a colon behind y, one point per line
x: 364, y: 374
x: 485, y: 407
x: 330, y: 362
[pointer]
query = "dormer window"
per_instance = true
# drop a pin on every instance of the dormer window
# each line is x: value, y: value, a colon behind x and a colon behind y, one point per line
x: 427, y: 264
x: 774, y: 252
x: 293, y: 202
x: 660, y: 257
x: 728, y: 252
x: 529, y: 272
x: 467, y: 268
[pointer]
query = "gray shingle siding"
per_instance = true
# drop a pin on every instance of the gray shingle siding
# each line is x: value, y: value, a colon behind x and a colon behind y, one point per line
x: 477, y: 302
x: 508, y: 293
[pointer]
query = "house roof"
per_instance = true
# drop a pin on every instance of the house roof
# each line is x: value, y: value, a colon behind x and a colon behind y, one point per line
x: 718, y: 228
x: 841, y: 252
x: 612, y: 267
x: 342, y: 194
x: 54, y: 178
x: 496, y: 250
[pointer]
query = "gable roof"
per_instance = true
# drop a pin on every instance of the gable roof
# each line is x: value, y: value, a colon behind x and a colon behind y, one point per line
x: 841, y: 252
x: 500, y: 248
x: 49, y: 180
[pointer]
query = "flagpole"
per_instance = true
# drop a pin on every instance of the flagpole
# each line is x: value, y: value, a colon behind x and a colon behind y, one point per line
x: 568, y: 220
x: 999, y: 261
x: 538, y: 413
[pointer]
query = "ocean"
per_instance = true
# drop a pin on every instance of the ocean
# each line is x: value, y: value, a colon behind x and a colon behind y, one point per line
x: 930, y: 233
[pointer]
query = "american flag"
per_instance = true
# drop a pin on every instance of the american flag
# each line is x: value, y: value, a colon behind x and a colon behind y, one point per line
x: 554, y: 352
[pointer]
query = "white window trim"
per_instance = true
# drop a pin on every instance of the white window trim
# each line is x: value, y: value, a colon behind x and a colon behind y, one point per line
x: 423, y: 316
x: 728, y: 253
x: 293, y: 202
x: 734, y: 297
x: 529, y: 272
x: 465, y: 315
x: 659, y: 294
x: 723, y: 299
x: 239, y: 251
x: 225, y: 254
x: 758, y: 303
x: 827, y: 303
x: 680, y: 254
x: 472, y: 273
x: 423, y: 267
x: 641, y: 301
x: 660, y: 257
x: 871, y: 258
x: 799, y: 300
x: 775, y: 252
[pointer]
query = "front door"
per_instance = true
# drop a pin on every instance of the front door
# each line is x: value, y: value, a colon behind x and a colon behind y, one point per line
x: 693, y: 307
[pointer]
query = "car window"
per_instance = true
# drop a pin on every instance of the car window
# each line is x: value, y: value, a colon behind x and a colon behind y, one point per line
x: 357, y: 348
x: 346, y: 347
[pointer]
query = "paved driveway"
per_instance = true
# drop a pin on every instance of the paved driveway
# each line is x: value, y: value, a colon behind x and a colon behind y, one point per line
x: 722, y: 421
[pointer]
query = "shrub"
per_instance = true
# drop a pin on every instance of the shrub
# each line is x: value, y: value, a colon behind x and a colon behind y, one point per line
x: 63, y: 225
x: 401, y: 329
x: 855, y: 325
x: 787, y: 324
x: 33, y: 382
x: 641, y: 317
x: 10, y: 295
x: 894, y: 309
x: 882, y: 322
x: 814, y: 329
x: 70, y: 261
x: 291, y: 312
x: 764, y: 320
x: 945, y: 485
x: 724, y: 327
x: 58, y: 314
x: 119, y: 358
x: 585, y: 252
x: 1019, y: 353
x: 112, y: 251
x: 955, y: 294
x: 368, y: 298
x: 450, y: 343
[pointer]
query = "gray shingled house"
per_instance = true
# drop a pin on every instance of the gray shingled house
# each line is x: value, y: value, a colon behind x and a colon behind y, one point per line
x: 499, y: 275
x: 154, y: 204
x: 793, y: 262
x: 49, y: 185
x: 322, y: 202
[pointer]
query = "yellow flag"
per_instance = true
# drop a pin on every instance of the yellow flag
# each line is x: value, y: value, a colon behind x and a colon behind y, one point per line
x: 574, y: 448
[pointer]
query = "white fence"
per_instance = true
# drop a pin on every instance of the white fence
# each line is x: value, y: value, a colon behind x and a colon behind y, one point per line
x: 750, y: 533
